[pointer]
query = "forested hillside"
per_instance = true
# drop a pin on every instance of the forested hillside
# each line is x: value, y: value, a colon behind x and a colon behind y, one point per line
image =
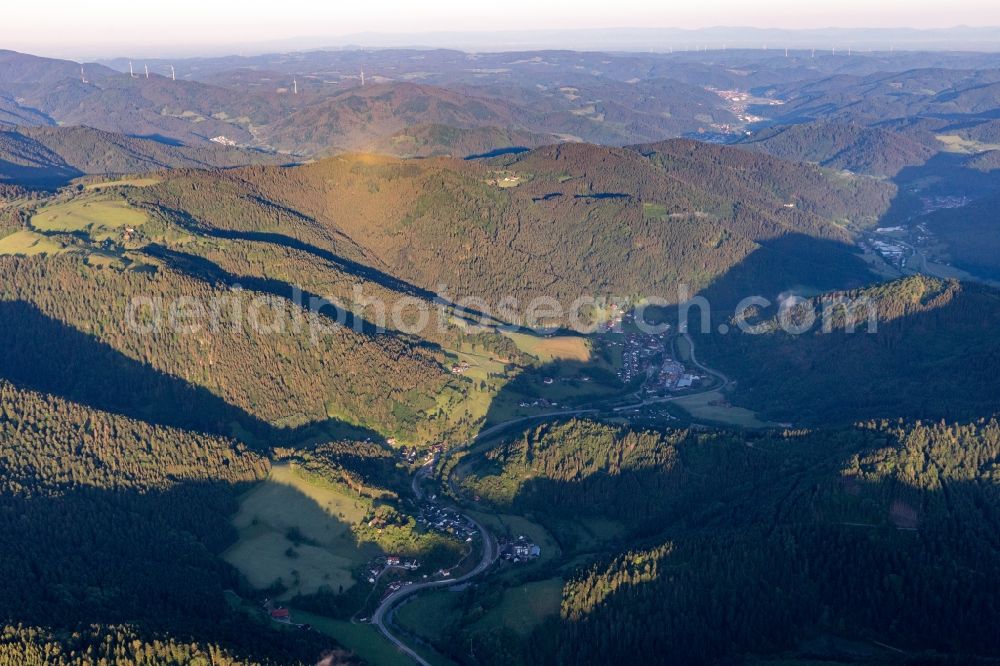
x: 856, y: 549
x: 865, y: 545
x: 560, y: 221
x: 583, y: 468
x: 429, y: 140
x: 52, y: 156
x: 259, y: 404
x: 240, y: 374
x: 931, y: 354
x: 108, y: 521
x: 876, y: 151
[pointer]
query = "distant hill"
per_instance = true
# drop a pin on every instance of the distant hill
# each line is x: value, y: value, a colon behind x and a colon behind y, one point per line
x: 870, y: 150
x: 886, y: 95
x: 23, y: 74
x: 12, y: 113
x: 359, y: 117
x: 49, y: 156
x: 332, y: 112
x: 172, y: 111
x: 443, y: 140
x: 987, y: 161
x: 560, y: 220
x: 984, y: 132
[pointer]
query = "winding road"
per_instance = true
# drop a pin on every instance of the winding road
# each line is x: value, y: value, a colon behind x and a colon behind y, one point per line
x: 382, y: 617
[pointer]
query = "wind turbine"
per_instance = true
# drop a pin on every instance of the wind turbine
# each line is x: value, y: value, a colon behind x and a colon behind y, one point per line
x: 147, y: 70
x: 362, y: 77
x: 173, y: 76
x: 83, y: 77
x: 130, y: 72
x: 295, y: 86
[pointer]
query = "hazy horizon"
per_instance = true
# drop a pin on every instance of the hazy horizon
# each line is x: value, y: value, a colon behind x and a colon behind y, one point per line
x: 188, y: 28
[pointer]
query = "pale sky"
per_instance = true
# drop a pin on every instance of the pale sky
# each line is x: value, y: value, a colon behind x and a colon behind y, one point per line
x: 59, y: 27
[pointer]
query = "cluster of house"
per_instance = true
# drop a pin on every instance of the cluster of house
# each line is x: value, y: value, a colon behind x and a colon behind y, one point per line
x: 459, y: 368
x: 934, y: 203
x: 446, y: 521
x: 615, y: 319
x: 379, y: 565
x: 519, y: 550
x: 541, y: 402
x: 637, y: 351
x: 410, y: 455
x: 395, y: 586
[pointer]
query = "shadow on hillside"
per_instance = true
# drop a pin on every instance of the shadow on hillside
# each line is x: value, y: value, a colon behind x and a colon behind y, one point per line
x: 341, y: 263
x: 932, y: 361
x: 46, y: 355
x: 147, y: 558
x: 942, y: 175
x: 498, y: 152
x: 50, y: 177
x: 210, y: 272
x: 930, y: 195
x: 938, y: 360
x: 161, y: 139
x: 790, y: 263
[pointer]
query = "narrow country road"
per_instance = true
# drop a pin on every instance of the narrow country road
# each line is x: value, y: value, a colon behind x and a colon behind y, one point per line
x: 382, y: 616
x: 726, y: 381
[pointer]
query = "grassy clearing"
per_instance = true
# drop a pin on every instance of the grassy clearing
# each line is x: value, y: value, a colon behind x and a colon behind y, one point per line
x: 29, y: 243
x: 714, y: 406
x: 104, y: 260
x: 567, y: 388
x: 954, y: 143
x: 271, y: 513
x: 472, y: 402
x: 654, y: 211
x: 590, y: 533
x: 428, y: 614
x: 131, y: 182
x: 362, y: 639
x: 525, y: 607
x: 556, y: 348
x: 100, y: 218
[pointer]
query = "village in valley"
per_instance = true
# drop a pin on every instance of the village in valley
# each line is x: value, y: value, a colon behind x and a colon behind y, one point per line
x: 648, y: 357
x: 911, y: 244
